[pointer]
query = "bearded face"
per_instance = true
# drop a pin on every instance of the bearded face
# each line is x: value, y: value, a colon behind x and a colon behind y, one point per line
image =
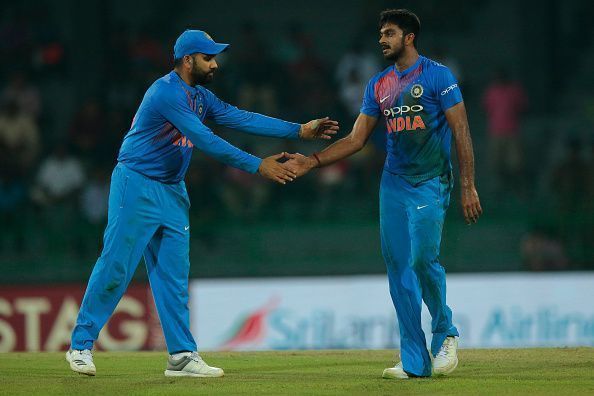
x: 393, y: 52
x: 392, y: 42
x: 203, y: 68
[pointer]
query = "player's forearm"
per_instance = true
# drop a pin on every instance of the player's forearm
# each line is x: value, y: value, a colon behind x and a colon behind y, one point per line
x: 465, y: 154
x: 340, y: 149
x: 346, y: 146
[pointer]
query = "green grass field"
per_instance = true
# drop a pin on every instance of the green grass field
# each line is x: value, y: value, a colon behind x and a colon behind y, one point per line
x: 531, y: 371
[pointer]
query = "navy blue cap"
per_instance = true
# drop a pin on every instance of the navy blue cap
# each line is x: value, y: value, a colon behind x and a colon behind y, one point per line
x: 193, y: 41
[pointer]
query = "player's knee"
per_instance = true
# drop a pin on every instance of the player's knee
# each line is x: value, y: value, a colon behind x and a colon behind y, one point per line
x: 115, y: 276
x: 111, y: 286
x: 422, y: 260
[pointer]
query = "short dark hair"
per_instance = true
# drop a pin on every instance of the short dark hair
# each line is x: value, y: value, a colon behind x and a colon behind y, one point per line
x: 180, y: 61
x: 404, y: 19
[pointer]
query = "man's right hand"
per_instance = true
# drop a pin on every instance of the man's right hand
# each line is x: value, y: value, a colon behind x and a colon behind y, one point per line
x: 300, y: 164
x: 271, y: 169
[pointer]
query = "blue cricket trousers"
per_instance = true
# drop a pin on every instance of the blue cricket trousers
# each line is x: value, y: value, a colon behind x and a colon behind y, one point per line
x: 411, y: 221
x: 145, y: 218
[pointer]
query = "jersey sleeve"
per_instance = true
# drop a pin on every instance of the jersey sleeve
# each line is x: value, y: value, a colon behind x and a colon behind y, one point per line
x: 447, y: 88
x: 370, y: 106
x: 257, y: 124
x: 175, y: 109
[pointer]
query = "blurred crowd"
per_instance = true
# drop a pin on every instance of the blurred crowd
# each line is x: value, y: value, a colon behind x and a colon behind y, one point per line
x: 56, y: 179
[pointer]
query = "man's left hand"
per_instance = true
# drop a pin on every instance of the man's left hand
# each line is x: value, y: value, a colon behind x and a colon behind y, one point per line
x: 322, y: 128
x: 471, y: 205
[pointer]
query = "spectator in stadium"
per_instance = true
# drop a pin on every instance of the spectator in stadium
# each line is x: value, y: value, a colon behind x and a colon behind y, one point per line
x: 570, y: 188
x: 16, y: 37
x: 93, y: 200
x: 289, y: 47
x: 256, y: 72
x: 309, y: 76
x: 353, y: 71
x: 88, y: 129
x: 306, y: 78
x: 19, y: 138
x: 60, y: 179
x: 541, y: 250
x: 330, y: 184
x: 25, y: 94
x: 570, y: 179
x: 354, y: 68
x: 148, y: 57
x: 504, y: 102
x: 49, y: 48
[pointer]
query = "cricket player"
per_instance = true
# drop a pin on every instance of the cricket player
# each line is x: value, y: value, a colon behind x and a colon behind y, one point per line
x: 422, y: 106
x: 148, y: 202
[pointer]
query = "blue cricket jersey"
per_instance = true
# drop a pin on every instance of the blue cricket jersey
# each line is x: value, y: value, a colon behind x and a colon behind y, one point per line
x: 169, y: 123
x: 413, y: 103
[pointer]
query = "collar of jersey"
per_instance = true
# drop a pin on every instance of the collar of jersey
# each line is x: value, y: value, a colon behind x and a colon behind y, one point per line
x: 405, y: 72
x: 192, y: 90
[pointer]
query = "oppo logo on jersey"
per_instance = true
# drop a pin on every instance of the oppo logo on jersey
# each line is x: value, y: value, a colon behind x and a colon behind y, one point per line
x: 404, y: 122
x: 394, y: 111
x: 449, y: 89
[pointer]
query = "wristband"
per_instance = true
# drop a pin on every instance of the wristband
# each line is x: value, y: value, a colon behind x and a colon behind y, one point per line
x: 315, y: 155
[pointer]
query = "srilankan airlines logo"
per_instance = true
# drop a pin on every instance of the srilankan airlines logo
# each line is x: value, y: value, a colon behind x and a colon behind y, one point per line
x: 250, y: 329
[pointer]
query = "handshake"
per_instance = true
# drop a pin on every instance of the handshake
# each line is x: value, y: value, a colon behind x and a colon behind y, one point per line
x: 282, y: 172
x: 297, y: 164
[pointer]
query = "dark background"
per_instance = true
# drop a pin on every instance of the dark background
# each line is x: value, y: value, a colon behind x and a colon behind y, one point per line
x: 72, y: 76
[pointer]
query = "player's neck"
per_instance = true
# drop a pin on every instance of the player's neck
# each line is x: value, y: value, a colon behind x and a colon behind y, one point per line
x: 406, y: 60
x: 186, y: 77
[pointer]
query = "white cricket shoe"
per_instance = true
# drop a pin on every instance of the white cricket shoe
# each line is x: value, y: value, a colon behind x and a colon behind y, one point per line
x: 446, y: 360
x: 191, y: 365
x: 396, y: 372
x: 81, y: 361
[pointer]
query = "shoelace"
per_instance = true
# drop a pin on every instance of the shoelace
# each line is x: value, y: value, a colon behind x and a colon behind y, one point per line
x: 84, y: 352
x: 443, y: 351
x: 196, y: 357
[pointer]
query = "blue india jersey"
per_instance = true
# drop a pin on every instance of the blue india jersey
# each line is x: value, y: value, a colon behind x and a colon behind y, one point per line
x: 413, y: 103
x: 169, y: 124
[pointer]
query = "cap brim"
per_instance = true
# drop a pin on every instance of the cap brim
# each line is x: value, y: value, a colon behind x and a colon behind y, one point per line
x: 215, y: 48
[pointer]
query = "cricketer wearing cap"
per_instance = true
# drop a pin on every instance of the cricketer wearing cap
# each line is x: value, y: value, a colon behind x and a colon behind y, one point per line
x: 422, y: 106
x: 148, y: 202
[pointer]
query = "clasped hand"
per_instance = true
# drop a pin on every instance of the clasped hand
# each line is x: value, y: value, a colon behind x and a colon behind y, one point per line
x: 283, y: 172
